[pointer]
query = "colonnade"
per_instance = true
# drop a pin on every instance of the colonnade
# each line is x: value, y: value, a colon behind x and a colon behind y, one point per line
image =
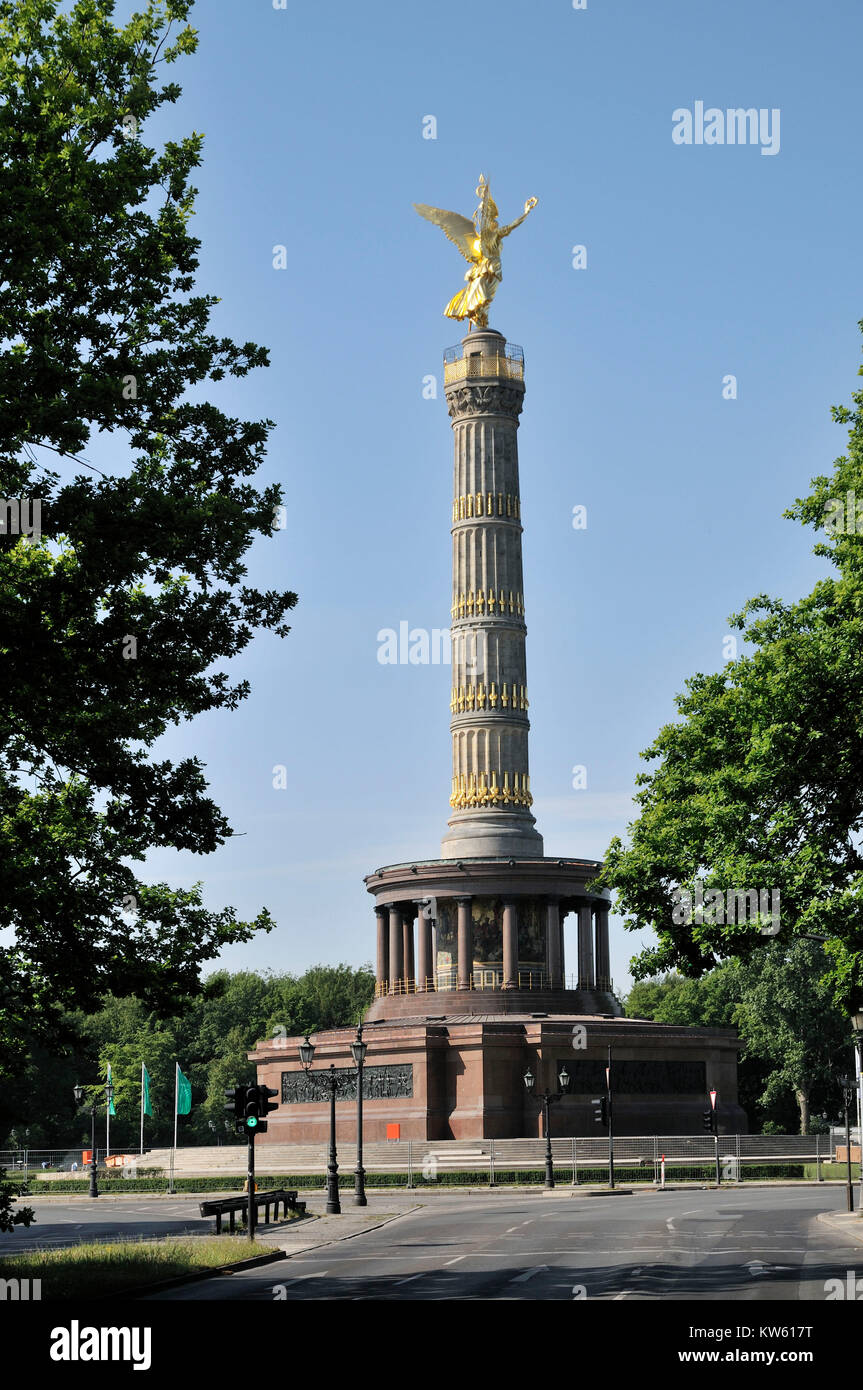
x: 406, y: 958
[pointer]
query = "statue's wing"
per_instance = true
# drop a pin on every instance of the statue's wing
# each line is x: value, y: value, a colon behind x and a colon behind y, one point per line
x: 460, y: 230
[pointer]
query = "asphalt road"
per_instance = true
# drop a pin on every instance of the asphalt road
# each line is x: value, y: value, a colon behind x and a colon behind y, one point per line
x: 761, y: 1244
x: 71, y: 1223
x: 743, y: 1245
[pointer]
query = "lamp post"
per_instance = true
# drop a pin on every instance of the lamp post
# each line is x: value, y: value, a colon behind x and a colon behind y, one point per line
x: 857, y: 1030
x: 358, y: 1052
x: 547, y: 1099
x: 78, y: 1092
x: 307, y: 1052
x: 847, y: 1093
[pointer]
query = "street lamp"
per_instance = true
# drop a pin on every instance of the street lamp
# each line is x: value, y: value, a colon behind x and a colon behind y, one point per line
x: 307, y: 1052
x: 856, y: 1026
x: 847, y: 1092
x: 78, y: 1092
x: 547, y: 1099
x: 358, y: 1052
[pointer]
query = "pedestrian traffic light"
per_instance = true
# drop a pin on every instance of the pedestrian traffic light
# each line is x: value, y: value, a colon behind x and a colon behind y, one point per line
x: 709, y: 1120
x: 600, y: 1111
x: 265, y: 1105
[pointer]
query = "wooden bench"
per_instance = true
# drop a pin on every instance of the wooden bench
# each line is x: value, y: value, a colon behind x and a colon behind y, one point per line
x: 230, y: 1206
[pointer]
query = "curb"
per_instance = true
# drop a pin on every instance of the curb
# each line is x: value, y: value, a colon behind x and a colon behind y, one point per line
x: 844, y: 1222
x: 351, y: 1235
x: 234, y: 1268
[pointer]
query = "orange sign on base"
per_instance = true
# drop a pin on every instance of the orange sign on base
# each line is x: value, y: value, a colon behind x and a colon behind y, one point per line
x: 394, y: 1131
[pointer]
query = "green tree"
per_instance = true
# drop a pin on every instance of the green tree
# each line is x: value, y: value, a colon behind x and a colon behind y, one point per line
x: 794, y: 1037
x: 707, y: 1002
x: 211, y: 1035
x: 760, y: 784
x: 117, y: 620
x: 10, y: 1216
x: 788, y: 1018
x: 326, y: 996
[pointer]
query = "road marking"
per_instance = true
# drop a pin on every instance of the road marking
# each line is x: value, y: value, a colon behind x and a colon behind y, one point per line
x: 528, y: 1274
x: 456, y: 1260
x: 669, y: 1224
x: 298, y: 1279
x: 411, y: 1279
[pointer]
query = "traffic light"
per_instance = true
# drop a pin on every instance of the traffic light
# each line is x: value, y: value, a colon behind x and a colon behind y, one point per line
x: 600, y: 1111
x: 235, y: 1099
x: 709, y: 1120
x: 249, y: 1105
x: 265, y: 1105
x: 251, y: 1109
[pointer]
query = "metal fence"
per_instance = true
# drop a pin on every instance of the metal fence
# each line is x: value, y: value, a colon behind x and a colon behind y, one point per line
x: 583, y: 1159
x: 57, y: 1160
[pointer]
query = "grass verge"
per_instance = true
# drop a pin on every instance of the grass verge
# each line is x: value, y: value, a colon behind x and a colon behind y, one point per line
x: 90, y: 1271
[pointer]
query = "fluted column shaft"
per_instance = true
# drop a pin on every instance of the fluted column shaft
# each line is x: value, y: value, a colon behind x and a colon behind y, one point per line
x: 586, y: 976
x: 603, y: 951
x: 396, y: 947
x: 465, y: 944
x: 510, y: 946
x: 383, y: 963
x: 425, y: 970
x: 553, y: 944
x: 490, y: 795
x: 408, y: 939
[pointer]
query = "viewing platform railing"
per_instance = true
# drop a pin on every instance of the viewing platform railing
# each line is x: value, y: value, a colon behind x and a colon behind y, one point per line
x: 464, y: 367
x: 483, y: 978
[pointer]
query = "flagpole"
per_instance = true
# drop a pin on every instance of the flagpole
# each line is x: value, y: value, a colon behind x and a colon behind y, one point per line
x: 176, y: 1094
x: 142, y: 1108
x: 108, y: 1120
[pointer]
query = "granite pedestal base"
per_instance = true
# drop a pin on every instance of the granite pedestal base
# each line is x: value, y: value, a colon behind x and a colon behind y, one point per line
x: 460, y: 1077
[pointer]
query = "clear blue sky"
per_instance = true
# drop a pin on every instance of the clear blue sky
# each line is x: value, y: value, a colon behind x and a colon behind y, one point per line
x: 702, y: 261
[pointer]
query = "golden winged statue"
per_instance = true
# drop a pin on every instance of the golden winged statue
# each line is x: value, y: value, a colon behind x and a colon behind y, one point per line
x: 479, y: 242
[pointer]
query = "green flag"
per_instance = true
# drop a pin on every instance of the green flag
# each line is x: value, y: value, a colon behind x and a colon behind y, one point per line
x: 184, y: 1093
x: 145, y: 1090
x: 111, y: 1110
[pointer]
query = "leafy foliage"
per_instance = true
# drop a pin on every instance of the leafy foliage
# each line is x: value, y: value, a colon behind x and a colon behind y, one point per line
x: 211, y: 1038
x: 10, y: 1216
x: 760, y: 784
x: 116, y: 621
x: 795, y: 1039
